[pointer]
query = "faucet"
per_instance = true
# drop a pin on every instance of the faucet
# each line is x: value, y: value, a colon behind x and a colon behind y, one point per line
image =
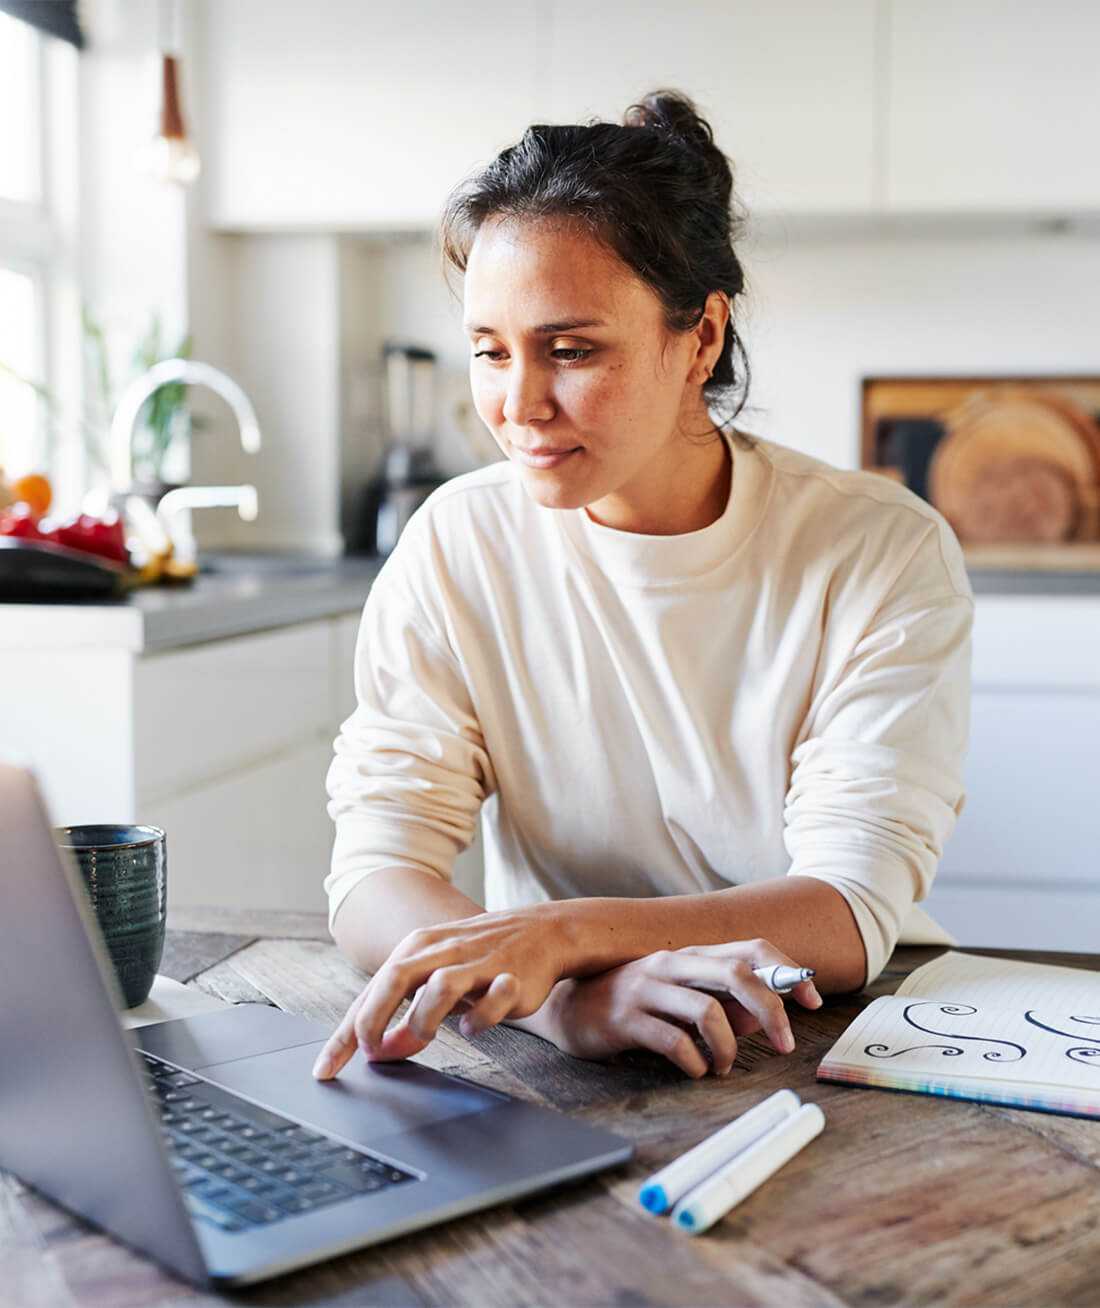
x: 174, y: 516
x: 173, y: 370
x: 170, y: 521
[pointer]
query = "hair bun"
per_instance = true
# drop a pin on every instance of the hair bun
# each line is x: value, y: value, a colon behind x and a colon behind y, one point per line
x: 675, y: 116
x: 671, y: 112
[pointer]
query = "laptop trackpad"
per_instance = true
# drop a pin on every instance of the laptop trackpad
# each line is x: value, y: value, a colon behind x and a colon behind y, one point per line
x: 363, y: 1103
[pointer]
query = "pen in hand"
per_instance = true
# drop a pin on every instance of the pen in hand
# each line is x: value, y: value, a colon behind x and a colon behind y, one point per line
x: 783, y: 979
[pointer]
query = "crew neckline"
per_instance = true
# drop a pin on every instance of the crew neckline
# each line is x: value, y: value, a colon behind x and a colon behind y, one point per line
x: 637, y: 559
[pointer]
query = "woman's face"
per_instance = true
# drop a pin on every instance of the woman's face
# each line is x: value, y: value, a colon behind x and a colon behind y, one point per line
x: 570, y: 354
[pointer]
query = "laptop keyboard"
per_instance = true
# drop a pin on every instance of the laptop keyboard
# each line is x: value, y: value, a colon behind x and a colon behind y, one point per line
x: 241, y: 1166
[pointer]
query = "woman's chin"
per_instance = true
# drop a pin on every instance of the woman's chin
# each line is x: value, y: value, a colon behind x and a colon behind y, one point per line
x: 551, y: 492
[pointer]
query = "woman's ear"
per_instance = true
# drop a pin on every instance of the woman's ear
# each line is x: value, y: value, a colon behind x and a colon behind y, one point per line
x: 710, y: 334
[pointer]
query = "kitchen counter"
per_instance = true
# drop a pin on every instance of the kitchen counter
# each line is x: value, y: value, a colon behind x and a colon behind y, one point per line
x: 1017, y: 581
x: 235, y: 594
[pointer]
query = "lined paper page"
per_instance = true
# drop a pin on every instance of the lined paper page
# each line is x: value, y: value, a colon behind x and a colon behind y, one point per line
x: 1005, y: 983
x: 913, y: 1037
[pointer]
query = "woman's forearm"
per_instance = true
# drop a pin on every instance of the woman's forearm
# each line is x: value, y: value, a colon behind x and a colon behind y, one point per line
x: 385, y: 906
x: 804, y: 917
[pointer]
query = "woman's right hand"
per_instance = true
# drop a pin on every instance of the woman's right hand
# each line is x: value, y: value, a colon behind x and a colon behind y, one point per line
x: 652, y: 1003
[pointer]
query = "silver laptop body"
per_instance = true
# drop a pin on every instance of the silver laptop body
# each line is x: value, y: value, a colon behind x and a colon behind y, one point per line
x: 78, y: 1123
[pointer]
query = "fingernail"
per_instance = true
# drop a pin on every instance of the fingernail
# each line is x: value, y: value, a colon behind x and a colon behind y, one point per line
x: 322, y: 1068
x: 466, y: 1026
x: 817, y: 996
x: 787, y: 1042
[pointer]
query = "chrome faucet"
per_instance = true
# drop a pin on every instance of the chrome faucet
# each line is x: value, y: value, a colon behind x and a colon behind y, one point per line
x: 171, y: 509
x: 173, y: 370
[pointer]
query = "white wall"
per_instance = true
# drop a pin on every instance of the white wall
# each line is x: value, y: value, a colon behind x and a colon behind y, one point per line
x: 300, y: 321
x: 822, y: 312
x: 827, y: 311
x: 274, y: 328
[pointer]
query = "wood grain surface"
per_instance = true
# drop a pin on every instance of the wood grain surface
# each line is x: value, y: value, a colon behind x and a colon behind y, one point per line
x: 904, y: 1199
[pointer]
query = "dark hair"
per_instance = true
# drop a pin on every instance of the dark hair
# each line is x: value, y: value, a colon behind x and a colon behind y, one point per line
x: 656, y: 190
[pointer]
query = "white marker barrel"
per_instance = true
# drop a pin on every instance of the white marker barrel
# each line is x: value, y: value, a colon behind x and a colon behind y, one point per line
x: 703, y: 1206
x: 665, y: 1187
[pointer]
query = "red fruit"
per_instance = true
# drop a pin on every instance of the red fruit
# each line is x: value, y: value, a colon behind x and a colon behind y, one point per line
x: 20, y: 521
x: 102, y: 536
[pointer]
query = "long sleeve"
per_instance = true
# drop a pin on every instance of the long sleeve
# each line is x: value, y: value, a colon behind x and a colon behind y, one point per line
x: 410, y: 770
x: 876, y: 786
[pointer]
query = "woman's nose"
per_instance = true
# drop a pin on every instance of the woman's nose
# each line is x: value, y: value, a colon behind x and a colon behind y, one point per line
x: 528, y: 397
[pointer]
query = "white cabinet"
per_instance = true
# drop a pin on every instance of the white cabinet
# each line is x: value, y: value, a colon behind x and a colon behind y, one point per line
x: 259, y: 837
x: 362, y: 117
x: 211, y: 710
x: 224, y: 744
x: 1022, y: 869
x: 231, y: 744
x: 787, y: 87
x: 347, y: 114
x: 993, y: 105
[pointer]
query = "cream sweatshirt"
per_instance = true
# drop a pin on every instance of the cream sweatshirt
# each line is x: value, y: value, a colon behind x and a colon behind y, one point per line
x: 785, y: 692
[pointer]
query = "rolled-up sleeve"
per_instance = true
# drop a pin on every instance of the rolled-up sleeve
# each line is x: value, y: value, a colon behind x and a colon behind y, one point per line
x: 876, y: 784
x: 410, y: 769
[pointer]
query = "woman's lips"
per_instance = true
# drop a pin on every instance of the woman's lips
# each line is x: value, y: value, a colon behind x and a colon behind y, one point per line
x: 543, y: 460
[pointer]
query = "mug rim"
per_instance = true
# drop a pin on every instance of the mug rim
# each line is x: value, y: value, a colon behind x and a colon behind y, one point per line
x: 151, y: 835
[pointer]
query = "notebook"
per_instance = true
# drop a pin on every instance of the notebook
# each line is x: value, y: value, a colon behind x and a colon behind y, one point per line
x: 1022, y: 1034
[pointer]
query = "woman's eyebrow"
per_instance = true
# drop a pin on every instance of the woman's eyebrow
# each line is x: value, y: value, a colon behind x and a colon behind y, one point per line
x: 545, y: 328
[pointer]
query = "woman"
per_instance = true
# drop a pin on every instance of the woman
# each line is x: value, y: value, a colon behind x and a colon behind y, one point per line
x: 713, y: 693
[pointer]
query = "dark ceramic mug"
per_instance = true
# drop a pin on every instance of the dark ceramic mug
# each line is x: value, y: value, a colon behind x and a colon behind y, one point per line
x: 125, y: 874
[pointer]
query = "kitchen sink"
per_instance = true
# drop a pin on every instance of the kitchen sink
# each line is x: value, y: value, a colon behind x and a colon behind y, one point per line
x: 267, y: 565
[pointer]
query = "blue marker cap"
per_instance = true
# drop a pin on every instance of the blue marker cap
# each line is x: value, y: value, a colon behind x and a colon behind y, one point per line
x: 653, y: 1198
x: 686, y: 1219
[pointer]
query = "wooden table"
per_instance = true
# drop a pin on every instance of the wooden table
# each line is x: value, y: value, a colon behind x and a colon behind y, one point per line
x: 904, y: 1199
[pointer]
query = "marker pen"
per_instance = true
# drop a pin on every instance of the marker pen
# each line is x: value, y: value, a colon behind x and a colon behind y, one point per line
x: 782, y: 979
x: 665, y: 1187
x: 700, y: 1208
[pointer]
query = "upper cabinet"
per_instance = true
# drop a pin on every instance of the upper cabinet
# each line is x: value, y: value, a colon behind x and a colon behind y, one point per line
x: 786, y: 86
x: 348, y: 114
x: 343, y: 114
x: 994, y: 105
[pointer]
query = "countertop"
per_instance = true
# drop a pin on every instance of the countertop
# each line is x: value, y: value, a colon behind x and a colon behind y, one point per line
x: 904, y: 1199
x: 240, y: 593
x: 234, y: 594
x: 1011, y: 581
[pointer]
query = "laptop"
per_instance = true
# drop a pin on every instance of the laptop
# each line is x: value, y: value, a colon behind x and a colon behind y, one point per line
x: 205, y: 1142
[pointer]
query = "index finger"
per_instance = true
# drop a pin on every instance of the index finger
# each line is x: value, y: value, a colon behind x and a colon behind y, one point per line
x: 395, y: 980
x: 341, y: 1044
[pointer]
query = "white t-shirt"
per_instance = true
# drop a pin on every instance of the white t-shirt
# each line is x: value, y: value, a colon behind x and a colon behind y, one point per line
x: 786, y: 691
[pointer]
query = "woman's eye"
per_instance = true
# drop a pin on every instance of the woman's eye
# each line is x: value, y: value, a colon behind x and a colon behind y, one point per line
x: 567, y: 355
x: 495, y: 355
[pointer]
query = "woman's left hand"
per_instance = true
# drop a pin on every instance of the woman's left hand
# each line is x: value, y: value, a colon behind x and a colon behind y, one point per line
x: 497, y: 965
x: 652, y: 1003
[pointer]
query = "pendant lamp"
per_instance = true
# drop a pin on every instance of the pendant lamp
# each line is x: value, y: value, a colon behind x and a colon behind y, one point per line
x: 171, y: 155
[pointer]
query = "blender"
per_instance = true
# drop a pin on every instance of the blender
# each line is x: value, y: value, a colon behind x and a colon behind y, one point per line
x: 409, y: 472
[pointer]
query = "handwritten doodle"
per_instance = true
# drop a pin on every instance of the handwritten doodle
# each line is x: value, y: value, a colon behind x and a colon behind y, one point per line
x: 1088, y: 1055
x: 1010, y: 1052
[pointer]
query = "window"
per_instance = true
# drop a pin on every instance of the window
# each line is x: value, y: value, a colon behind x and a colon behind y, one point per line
x: 20, y: 329
x: 38, y: 84
x: 20, y: 172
